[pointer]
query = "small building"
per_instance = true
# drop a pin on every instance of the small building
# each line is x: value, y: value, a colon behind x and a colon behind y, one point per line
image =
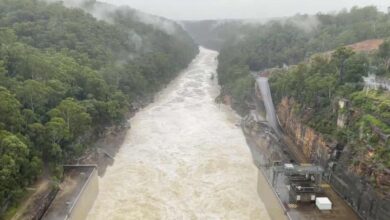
x: 303, y: 182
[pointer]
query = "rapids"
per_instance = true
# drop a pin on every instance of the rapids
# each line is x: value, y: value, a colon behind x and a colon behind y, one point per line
x: 184, y: 158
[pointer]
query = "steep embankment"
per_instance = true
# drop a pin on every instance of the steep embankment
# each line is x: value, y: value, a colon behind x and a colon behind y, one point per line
x: 340, y: 125
x: 68, y: 73
x: 315, y: 147
x: 288, y: 42
x: 320, y: 102
x: 364, y: 186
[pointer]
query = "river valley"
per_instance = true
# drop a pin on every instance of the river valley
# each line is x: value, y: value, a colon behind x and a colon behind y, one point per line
x: 184, y: 158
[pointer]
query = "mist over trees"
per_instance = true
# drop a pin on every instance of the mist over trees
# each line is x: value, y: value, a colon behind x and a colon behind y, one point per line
x: 288, y: 42
x: 314, y: 88
x: 311, y: 69
x: 65, y: 76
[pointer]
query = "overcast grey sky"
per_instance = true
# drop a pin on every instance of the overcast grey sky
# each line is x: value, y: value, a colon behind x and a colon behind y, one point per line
x: 212, y: 9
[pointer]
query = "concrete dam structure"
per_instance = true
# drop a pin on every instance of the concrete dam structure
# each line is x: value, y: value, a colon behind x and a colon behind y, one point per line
x: 77, y: 194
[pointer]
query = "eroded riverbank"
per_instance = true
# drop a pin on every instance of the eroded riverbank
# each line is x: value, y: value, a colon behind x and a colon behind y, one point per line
x: 184, y: 158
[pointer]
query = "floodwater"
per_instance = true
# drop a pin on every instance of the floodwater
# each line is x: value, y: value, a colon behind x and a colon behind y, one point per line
x: 184, y: 158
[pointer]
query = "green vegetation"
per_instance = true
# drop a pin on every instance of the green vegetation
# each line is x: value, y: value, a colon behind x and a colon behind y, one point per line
x: 382, y: 62
x: 66, y: 76
x: 214, y: 34
x: 317, y: 85
x: 278, y: 43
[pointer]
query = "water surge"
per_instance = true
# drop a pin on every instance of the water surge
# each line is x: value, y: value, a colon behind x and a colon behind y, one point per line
x: 263, y: 84
x: 184, y: 158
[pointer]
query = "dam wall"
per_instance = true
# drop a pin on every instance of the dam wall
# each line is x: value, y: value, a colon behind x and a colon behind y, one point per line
x: 85, y: 199
x: 77, y: 194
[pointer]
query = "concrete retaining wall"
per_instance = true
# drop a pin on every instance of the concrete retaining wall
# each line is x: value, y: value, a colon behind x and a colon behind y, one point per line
x: 359, y: 194
x: 86, y: 198
x: 274, y: 206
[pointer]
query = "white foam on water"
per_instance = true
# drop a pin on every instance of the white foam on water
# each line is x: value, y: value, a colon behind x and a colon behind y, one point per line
x: 265, y: 90
x: 184, y: 158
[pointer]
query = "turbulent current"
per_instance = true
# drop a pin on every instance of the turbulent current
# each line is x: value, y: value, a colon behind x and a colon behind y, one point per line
x: 269, y: 105
x: 184, y: 158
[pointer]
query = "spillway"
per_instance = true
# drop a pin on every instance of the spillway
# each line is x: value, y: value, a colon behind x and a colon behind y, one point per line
x: 184, y: 158
x: 265, y: 90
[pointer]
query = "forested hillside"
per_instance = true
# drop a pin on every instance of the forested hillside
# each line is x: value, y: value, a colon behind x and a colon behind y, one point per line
x: 214, y: 34
x: 314, y: 89
x: 287, y: 42
x: 310, y: 84
x: 66, y: 75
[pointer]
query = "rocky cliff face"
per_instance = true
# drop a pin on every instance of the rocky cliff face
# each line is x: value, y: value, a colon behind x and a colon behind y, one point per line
x: 315, y: 147
x: 341, y: 174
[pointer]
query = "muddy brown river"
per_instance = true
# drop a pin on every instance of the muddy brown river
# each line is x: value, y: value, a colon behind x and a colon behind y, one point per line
x: 184, y: 158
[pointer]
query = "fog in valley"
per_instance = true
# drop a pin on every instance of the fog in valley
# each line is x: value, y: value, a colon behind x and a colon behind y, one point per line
x: 241, y: 9
x: 195, y: 109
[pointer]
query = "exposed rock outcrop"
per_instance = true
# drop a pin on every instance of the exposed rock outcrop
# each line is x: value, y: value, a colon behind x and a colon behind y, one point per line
x: 350, y: 183
x: 314, y: 146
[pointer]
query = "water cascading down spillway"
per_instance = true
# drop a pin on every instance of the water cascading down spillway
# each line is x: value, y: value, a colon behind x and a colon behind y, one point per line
x: 184, y: 158
x: 262, y: 83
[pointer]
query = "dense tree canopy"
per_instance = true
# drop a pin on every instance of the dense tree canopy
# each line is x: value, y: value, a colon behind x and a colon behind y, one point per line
x: 315, y: 87
x: 287, y: 42
x: 65, y: 76
x: 309, y: 65
x: 15, y: 165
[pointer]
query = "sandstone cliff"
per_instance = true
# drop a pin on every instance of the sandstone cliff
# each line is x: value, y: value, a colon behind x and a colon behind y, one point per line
x: 350, y: 180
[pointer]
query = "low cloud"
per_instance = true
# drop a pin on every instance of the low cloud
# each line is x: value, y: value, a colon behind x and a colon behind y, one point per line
x: 105, y: 12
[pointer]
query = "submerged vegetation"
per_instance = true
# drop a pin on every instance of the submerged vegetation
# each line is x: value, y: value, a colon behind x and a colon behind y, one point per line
x: 65, y: 76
